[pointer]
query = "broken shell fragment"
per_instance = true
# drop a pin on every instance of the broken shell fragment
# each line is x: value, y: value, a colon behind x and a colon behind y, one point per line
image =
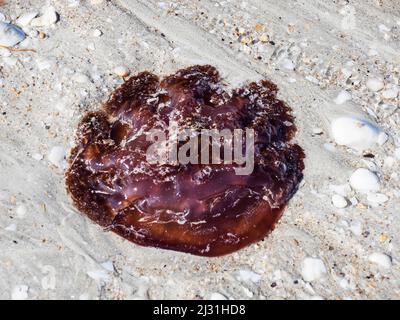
x: 10, y: 35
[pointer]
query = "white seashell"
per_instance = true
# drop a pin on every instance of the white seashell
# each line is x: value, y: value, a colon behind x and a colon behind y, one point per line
x: 49, y: 16
x: 317, y: 131
x: 397, y: 153
x: 312, y: 269
x: 356, y: 228
x: 97, y: 33
x: 375, y: 84
x: 380, y: 259
x: 339, y: 201
x: 382, y: 28
x: 56, y: 156
x: 21, y: 211
x: 80, y: 78
x: 372, y: 53
x: 389, y: 161
x: 99, y: 275
x: 377, y: 198
x: 91, y: 47
x: 329, y: 147
x: 121, y: 71
x: 356, y: 133
x: 10, y: 35
x: 390, y: 93
x: 382, y: 138
x: 12, y: 227
x: 37, y: 156
x: 346, y: 73
x: 108, y: 265
x: 364, y: 181
x: 25, y: 19
x: 73, y: 3
x: 248, y: 276
x: 342, y: 97
x: 20, y: 292
x: 217, y: 296
x: 288, y: 64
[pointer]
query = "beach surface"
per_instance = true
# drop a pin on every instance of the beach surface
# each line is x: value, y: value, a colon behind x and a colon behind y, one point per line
x: 338, y: 237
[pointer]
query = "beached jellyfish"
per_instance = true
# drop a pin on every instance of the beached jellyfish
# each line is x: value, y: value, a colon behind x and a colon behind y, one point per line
x: 203, y: 208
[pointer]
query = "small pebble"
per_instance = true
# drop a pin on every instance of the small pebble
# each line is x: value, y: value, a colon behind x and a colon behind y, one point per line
x: 375, y: 84
x: 121, y: 71
x: 339, y: 201
x: 364, y: 181
x: 380, y: 259
x: 312, y: 269
x: 343, y: 97
x: 356, y: 133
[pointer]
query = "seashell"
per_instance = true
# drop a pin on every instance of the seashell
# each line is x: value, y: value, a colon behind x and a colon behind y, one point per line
x: 10, y: 35
x: 364, y: 181
x: 375, y: 84
x: 49, y: 16
x: 358, y: 134
x: 342, y: 97
x: 25, y: 19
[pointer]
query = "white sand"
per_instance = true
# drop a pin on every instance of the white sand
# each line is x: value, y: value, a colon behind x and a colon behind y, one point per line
x: 51, y: 251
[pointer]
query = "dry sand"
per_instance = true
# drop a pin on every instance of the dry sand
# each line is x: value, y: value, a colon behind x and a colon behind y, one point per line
x: 311, y: 49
